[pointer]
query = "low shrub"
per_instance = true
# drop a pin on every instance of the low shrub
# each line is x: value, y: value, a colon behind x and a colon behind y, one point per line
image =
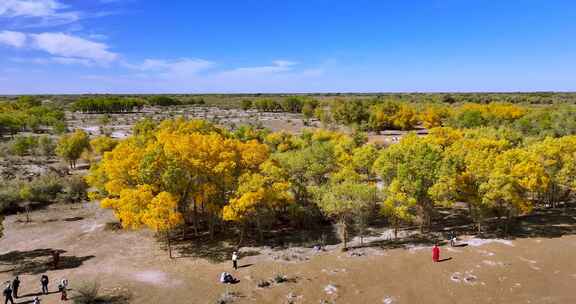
x: 87, y: 293
x: 74, y: 190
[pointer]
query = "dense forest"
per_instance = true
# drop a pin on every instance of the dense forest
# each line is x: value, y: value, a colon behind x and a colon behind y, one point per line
x: 501, y: 155
x: 195, y: 174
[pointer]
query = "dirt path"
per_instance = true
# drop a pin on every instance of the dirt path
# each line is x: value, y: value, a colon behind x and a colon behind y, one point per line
x: 531, y: 270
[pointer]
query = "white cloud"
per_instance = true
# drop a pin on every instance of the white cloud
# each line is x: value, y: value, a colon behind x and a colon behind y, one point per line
x: 64, y: 45
x: 284, y: 63
x: 14, y: 39
x: 72, y: 61
x: 178, y: 68
x: 49, y: 11
x: 31, y: 8
x: 64, y: 48
x: 278, y: 66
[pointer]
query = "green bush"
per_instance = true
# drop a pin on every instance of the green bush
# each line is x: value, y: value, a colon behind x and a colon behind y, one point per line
x: 46, y: 146
x: 468, y: 119
x: 246, y: 104
x: 24, y: 145
x: 9, y: 196
x: 43, y: 189
x: 74, y: 189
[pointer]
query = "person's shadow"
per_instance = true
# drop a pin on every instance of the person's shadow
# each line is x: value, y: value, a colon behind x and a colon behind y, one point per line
x: 445, y: 259
x: 36, y: 294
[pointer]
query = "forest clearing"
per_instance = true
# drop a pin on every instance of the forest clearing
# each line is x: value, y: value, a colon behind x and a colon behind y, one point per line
x: 327, y: 200
x: 131, y: 263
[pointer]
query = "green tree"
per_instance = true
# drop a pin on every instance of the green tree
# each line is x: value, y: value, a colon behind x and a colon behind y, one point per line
x: 409, y: 169
x: 246, y: 104
x: 71, y: 146
x: 344, y: 201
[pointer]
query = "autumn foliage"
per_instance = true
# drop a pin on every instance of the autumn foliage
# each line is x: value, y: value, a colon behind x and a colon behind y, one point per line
x: 194, y: 174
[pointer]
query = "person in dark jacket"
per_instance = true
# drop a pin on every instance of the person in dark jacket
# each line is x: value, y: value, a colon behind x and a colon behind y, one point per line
x: 15, y: 286
x: 44, y: 282
x: 8, y: 295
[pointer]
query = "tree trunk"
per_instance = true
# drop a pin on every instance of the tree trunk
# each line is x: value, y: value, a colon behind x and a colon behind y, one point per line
x: 344, y: 233
x: 259, y: 227
x: 396, y: 224
x: 169, y: 243
x: 242, y: 232
x: 211, y: 225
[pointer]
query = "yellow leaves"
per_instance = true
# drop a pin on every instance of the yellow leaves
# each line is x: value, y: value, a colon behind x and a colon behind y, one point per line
x: 498, y: 111
x: 405, y: 118
x: 398, y: 204
x: 161, y: 214
x: 253, y: 153
x: 282, y: 141
x: 147, y: 178
x: 258, y: 190
x: 444, y: 136
x: 434, y: 115
x: 393, y: 115
x: 102, y: 144
x: 139, y: 206
x: 213, y: 153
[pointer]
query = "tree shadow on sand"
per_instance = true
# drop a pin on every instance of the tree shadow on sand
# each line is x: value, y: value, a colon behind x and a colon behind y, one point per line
x: 542, y: 222
x: 37, y: 261
x: 406, y: 243
x: 221, y: 247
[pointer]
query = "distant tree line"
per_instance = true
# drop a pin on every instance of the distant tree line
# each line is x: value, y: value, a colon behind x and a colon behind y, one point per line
x: 107, y: 105
x: 28, y: 114
x: 112, y: 104
x: 395, y: 114
x: 171, y: 101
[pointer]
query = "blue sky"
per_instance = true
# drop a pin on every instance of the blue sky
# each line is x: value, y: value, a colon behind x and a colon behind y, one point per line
x: 190, y: 46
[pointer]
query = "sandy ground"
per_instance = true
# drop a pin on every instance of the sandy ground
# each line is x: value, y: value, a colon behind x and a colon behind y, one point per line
x: 528, y: 270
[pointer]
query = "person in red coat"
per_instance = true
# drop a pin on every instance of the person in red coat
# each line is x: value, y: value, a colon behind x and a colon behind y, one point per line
x: 435, y: 253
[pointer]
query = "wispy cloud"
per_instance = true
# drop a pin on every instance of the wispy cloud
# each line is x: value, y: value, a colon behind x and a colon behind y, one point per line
x: 178, y: 68
x: 64, y: 45
x: 277, y: 66
x: 65, y: 48
x: 44, y: 12
x: 14, y: 39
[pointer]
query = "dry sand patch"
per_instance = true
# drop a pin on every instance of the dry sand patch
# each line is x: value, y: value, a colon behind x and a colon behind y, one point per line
x: 485, y: 271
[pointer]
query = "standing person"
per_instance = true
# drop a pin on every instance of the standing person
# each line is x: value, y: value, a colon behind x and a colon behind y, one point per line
x: 15, y: 286
x: 63, y: 287
x: 44, y: 282
x: 235, y: 260
x: 64, y: 283
x: 8, y: 295
x: 436, y: 253
x: 36, y: 300
x: 451, y: 237
x: 63, y: 291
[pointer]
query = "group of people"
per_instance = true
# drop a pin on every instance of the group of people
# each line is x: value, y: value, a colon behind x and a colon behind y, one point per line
x: 436, y: 250
x: 12, y: 288
x: 227, y: 278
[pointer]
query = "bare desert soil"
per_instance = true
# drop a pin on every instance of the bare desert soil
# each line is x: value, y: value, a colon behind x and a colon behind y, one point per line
x: 524, y: 270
